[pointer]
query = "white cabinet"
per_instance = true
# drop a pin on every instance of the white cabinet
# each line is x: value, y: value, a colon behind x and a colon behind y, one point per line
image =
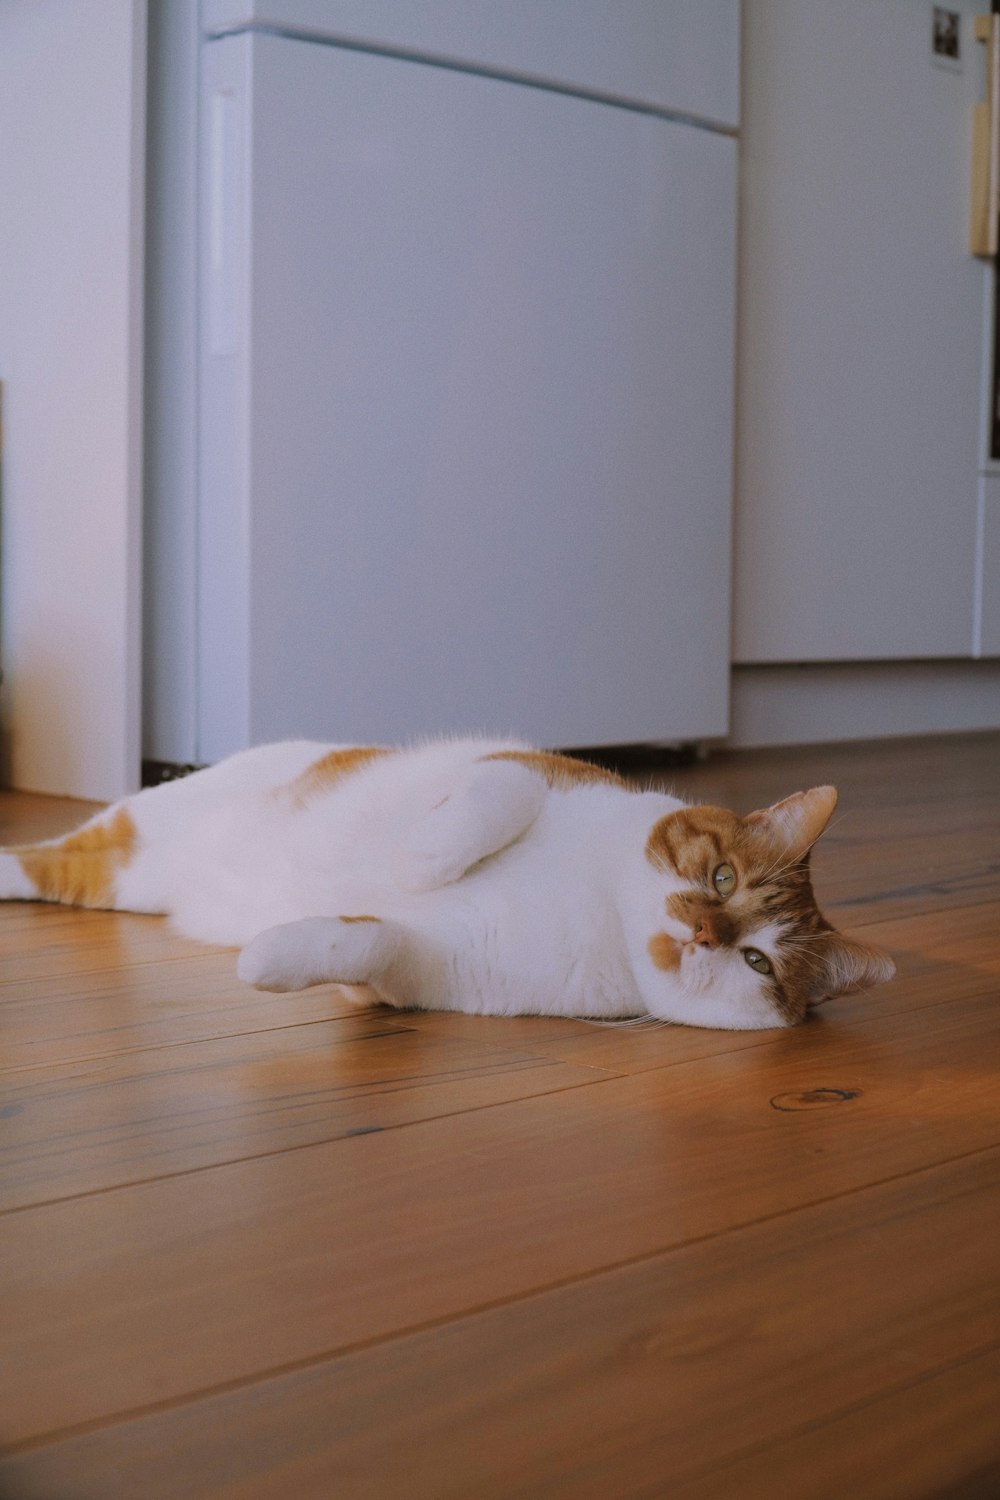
x: 678, y: 55
x: 861, y: 311
x: 465, y: 403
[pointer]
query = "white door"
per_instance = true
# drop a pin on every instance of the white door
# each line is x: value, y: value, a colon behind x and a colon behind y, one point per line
x: 466, y: 387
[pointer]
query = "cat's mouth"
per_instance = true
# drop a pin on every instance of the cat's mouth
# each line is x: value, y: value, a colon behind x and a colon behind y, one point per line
x: 696, y: 966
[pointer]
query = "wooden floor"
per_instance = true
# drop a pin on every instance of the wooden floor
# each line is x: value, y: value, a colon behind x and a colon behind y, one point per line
x: 259, y: 1246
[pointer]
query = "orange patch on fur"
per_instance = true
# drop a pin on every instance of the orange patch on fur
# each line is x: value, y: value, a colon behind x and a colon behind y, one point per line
x: 561, y: 771
x: 664, y: 951
x: 80, y: 870
x: 329, y: 769
x: 694, y: 839
x: 361, y: 919
x: 686, y: 906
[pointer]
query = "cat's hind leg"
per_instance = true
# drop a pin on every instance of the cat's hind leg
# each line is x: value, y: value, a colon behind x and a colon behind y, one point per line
x: 321, y: 950
x: 496, y: 805
x: 97, y: 865
x: 81, y: 869
x: 15, y: 882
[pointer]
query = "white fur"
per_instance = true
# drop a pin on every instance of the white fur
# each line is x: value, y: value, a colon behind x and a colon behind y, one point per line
x: 495, y: 893
x: 14, y: 884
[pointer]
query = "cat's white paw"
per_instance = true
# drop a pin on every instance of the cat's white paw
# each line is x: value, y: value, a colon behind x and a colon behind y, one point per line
x: 426, y: 866
x: 264, y: 963
x: 317, y: 950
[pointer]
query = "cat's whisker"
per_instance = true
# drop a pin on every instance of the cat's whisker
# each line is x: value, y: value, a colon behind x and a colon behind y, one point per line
x: 777, y: 870
x: 813, y: 956
x: 632, y: 1023
x: 774, y: 872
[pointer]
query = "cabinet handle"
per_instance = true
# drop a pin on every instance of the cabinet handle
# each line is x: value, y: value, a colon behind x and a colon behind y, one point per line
x: 985, y: 208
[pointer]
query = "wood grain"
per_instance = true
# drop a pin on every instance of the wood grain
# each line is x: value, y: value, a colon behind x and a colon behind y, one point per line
x: 344, y: 1250
x: 572, y: 1260
x: 73, y: 1129
x: 26, y: 817
x: 689, y: 1367
x: 50, y: 942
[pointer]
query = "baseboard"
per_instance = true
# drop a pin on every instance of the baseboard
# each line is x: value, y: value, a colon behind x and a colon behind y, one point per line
x: 155, y: 772
x: 813, y: 703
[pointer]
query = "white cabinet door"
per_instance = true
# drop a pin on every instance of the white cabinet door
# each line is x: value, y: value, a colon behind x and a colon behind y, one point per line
x: 466, y: 388
x: 861, y: 326
x: 682, y: 56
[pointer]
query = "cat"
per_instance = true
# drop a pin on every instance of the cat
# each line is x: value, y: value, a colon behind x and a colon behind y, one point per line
x: 475, y: 875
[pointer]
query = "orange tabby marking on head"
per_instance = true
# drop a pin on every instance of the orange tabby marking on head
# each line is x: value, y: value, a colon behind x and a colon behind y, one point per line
x: 80, y: 870
x: 560, y: 771
x: 664, y: 951
x: 686, y: 906
x: 331, y: 768
x: 361, y: 919
x: 690, y: 839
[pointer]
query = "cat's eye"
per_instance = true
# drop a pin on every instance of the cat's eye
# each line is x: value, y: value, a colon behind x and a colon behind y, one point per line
x: 724, y: 879
x: 757, y: 961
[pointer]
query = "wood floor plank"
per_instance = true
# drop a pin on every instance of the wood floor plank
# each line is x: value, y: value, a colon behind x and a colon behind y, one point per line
x: 905, y: 779
x: 905, y: 877
x: 179, y: 1284
x: 776, y: 1343
x: 101, y: 1013
x: 51, y: 943
x: 26, y: 817
x: 939, y: 957
x: 88, y: 1126
x: 692, y: 1366
x: 935, y: 1436
x: 625, y: 1049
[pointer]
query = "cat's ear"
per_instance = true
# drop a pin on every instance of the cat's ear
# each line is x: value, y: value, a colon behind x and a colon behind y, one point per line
x: 844, y: 966
x: 796, y: 823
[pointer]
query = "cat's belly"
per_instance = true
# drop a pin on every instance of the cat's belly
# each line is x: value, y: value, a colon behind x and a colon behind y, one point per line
x: 519, y: 961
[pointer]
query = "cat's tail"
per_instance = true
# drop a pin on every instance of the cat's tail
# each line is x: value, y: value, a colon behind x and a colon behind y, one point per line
x: 82, y: 869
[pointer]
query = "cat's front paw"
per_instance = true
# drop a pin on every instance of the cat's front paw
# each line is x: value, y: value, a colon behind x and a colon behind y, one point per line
x: 316, y: 950
x: 265, y: 963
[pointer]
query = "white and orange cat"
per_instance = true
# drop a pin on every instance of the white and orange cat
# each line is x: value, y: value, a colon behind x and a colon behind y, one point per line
x: 474, y: 875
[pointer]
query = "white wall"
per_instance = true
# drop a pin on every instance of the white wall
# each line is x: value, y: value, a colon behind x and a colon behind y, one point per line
x: 72, y: 109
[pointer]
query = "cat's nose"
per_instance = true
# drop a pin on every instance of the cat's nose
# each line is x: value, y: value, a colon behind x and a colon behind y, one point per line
x: 713, y: 930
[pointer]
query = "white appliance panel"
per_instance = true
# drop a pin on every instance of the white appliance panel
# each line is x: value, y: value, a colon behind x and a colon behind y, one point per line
x: 467, y: 382
x: 682, y: 55
x: 859, y: 349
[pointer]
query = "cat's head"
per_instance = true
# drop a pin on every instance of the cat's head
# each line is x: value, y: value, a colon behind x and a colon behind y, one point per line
x: 738, y: 940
